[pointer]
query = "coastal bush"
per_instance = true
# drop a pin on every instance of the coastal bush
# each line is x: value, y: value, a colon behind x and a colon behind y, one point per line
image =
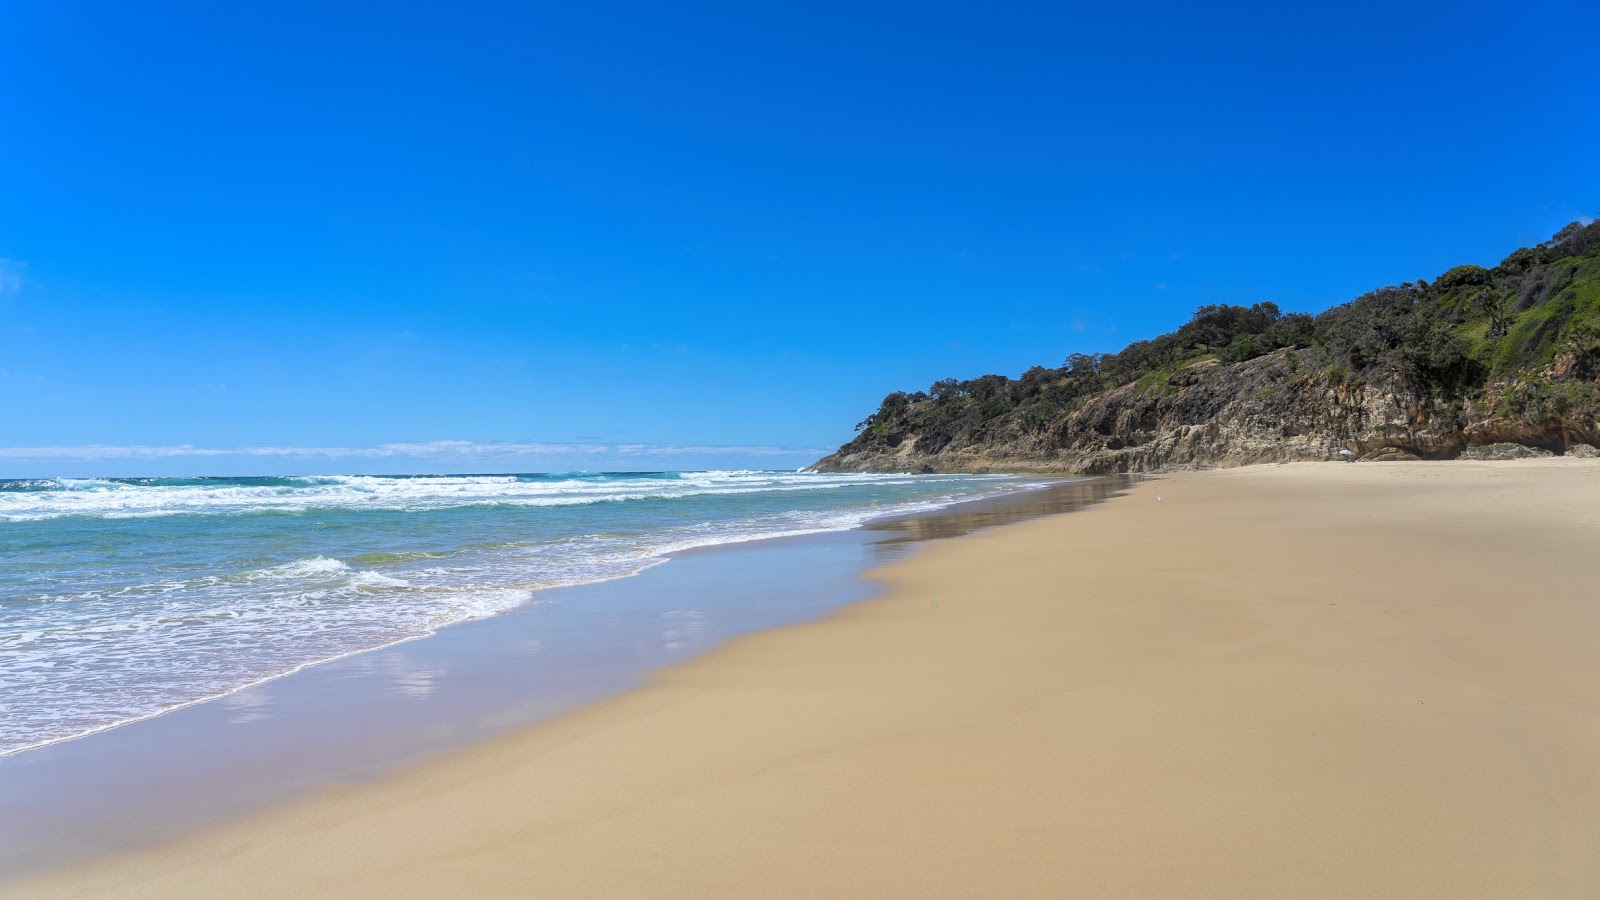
x: 1497, y: 304
x: 1576, y: 239
x: 889, y: 411
x: 1083, y: 365
x: 1460, y: 277
x: 1243, y: 347
x: 1521, y: 261
x: 1538, y: 307
x: 1292, y: 330
x: 1580, y: 343
x: 1538, y: 401
x: 1218, y: 325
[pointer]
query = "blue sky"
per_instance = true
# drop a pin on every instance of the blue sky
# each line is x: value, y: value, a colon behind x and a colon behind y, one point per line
x: 526, y: 236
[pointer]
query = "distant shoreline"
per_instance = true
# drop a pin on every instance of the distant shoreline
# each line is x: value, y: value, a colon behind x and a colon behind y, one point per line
x: 1299, y: 679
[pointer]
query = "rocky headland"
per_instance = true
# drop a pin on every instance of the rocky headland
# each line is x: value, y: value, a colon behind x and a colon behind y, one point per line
x: 1480, y: 363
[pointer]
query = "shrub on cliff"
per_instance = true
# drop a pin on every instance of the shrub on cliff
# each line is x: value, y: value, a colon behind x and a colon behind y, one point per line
x: 1443, y: 341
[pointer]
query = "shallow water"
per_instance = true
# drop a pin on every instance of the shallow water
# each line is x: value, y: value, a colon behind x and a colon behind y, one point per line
x: 361, y: 716
x: 121, y: 599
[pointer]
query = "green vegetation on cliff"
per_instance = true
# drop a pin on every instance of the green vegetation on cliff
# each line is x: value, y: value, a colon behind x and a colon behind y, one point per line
x: 1519, y: 342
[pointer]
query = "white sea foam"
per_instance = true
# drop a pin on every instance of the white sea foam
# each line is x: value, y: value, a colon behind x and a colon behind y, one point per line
x: 117, y: 499
x: 375, y: 580
x: 305, y: 568
x: 84, y: 649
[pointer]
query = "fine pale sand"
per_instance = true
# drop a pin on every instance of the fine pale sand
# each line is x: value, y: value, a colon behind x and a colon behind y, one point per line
x: 1369, y: 680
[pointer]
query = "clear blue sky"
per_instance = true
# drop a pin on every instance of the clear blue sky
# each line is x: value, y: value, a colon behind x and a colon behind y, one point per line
x: 715, y: 234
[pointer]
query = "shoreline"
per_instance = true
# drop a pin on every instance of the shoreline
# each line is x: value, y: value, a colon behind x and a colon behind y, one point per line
x: 663, y: 556
x: 382, y: 709
x: 1314, y: 679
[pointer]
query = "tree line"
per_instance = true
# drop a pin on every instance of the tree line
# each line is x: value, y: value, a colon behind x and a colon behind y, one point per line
x: 1445, y: 339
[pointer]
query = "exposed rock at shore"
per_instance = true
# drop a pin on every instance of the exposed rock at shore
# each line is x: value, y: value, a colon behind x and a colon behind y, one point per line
x: 1506, y: 451
x: 1495, y: 363
x: 1211, y: 415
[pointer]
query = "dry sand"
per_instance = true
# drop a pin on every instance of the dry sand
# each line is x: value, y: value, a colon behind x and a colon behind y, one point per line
x: 1312, y: 680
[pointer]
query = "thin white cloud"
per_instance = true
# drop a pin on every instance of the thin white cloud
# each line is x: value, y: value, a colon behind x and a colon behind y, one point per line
x: 11, y: 275
x: 405, y: 450
x: 707, y: 449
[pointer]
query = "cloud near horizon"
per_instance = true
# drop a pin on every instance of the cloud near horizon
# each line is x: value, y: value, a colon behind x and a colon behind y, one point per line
x: 400, y: 450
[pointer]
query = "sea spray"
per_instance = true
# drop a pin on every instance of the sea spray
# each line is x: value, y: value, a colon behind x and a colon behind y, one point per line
x: 121, y: 599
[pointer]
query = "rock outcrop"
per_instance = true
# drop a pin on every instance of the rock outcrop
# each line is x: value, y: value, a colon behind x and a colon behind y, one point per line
x: 1491, y: 363
x: 1281, y: 407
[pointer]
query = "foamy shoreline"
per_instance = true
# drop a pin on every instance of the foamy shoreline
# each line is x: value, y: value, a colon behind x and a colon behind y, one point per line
x: 373, y: 711
x: 125, y: 600
x: 1307, y: 680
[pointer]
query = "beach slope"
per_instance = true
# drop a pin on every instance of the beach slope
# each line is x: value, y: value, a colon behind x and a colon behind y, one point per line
x: 1315, y: 680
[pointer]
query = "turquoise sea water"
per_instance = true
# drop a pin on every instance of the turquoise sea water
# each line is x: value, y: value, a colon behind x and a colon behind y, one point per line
x: 122, y: 599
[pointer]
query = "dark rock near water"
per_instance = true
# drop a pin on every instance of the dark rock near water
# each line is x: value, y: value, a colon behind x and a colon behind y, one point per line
x: 1506, y: 451
x: 1210, y: 415
x: 1482, y: 363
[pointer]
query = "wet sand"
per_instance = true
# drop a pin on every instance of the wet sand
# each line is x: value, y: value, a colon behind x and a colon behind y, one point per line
x: 1308, y: 680
x: 359, y: 718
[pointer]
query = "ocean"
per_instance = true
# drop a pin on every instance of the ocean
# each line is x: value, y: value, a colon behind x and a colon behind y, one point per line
x: 121, y: 599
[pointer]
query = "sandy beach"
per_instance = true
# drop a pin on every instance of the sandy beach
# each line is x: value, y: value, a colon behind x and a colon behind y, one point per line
x: 1313, y: 680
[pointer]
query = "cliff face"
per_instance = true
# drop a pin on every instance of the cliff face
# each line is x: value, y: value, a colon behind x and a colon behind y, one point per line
x: 1207, y: 414
x: 1488, y: 363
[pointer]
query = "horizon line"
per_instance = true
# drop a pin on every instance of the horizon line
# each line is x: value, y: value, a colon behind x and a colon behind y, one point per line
x: 448, y: 449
